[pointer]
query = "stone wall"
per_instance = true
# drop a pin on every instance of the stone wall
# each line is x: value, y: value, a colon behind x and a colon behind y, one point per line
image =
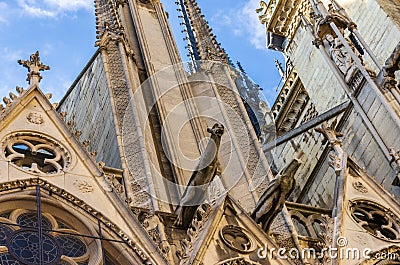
x: 321, y: 84
x: 87, y: 103
x: 375, y: 25
x: 316, y: 180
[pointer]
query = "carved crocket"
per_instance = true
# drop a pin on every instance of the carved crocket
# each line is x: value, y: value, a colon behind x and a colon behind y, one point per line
x: 273, y: 199
x: 201, y: 177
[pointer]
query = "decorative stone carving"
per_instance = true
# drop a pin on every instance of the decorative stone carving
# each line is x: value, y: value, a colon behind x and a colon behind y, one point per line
x: 265, y: 11
x: 326, y: 237
x: 107, y: 18
x: 201, y: 178
x: 331, y: 135
x: 282, y: 18
x: 200, y: 219
x: 109, y: 42
x: 35, y: 118
x: 36, y: 153
x: 272, y: 201
x: 237, y: 238
x: 358, y: 186
x: 255, y: 168
x: 391, y: 66
x: 115, y: 184
x: 283, y: 236
x: 341, y: 57
x: 396, y: 165
x: 377, y: 220
x: 34, y: 67
x: 237, y: 261
x: 83, y: 186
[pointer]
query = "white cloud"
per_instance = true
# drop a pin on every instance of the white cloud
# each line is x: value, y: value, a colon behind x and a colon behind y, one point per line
x: 30, y: 8
x: 69, y: 5
x: 244, y: 22
x: 52, y: 8
x: 3, y: 13
x: 251, y: 25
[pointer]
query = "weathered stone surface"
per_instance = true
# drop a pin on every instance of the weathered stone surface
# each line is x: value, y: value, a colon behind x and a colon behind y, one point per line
x: 91, y: 94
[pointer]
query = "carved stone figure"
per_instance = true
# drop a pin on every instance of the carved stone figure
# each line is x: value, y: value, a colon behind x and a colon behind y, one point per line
x: 201, y: 177
x: 273, y: 199
x: 341, y: 57
x: 391, y: 66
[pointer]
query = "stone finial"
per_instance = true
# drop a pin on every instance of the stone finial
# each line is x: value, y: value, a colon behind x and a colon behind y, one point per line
x: 20, y: 90
x: 329, y: 132
x: 336, y: 156
x: 34, y: 67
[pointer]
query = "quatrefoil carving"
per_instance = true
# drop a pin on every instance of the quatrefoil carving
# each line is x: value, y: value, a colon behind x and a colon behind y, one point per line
x: 237, y: 238
x: 35, y: 153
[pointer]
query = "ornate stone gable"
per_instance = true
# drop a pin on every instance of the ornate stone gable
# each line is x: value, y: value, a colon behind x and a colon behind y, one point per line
x: 49, y: 155
x: 224, y: 234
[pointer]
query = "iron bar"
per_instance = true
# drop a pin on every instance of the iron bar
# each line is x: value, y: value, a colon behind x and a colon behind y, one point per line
x: 39, y: 224
x: 101, y: 242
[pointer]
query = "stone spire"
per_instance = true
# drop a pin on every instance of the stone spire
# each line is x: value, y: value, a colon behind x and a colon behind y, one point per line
x: 34, y: 67
x: 206, y: 43
x: 107, y: 18
x: 190, y: 35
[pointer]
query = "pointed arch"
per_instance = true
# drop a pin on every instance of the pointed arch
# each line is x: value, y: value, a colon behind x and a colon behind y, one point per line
x: 76, y: 231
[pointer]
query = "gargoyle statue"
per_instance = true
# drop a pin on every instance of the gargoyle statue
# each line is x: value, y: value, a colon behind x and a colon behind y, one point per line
x: 201, y: 177
x: 273, y: 199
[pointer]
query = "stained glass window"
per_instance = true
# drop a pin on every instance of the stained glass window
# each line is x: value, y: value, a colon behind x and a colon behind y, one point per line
x: 31, y: 220
x: 24, y: 246
x: 23, y: 242
x: 7, y: 259
x: 5, y: 231
x: 71, y: 246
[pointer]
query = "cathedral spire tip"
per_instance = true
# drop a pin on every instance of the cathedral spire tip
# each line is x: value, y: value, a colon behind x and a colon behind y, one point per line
x: 203, y: 42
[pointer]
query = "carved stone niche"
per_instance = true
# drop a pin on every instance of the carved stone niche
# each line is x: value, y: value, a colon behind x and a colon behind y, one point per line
x: 35, y: 153
x: 376, y: 219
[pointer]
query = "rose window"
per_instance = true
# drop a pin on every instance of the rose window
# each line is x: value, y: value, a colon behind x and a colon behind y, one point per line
x: 377, y: 220
x: 19, y: 241
x: 35, y: 153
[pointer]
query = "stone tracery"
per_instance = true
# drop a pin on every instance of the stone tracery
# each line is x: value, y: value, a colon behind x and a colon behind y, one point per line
x: 60, y: 244
x: 376, y: 219
x: 36, y: 153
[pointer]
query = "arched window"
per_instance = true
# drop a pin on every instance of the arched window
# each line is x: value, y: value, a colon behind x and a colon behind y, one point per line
x: 67, y: 236
x: 19, y: 240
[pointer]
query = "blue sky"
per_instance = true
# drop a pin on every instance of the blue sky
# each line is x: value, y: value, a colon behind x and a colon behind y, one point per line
x: 64, y: 33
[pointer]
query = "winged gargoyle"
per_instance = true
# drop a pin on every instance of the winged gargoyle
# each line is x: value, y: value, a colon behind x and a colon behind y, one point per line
x: 201, y: 177
x: 273, y: 199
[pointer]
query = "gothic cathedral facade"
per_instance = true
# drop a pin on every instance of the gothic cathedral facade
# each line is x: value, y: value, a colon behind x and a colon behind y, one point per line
x: 149, y: 160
